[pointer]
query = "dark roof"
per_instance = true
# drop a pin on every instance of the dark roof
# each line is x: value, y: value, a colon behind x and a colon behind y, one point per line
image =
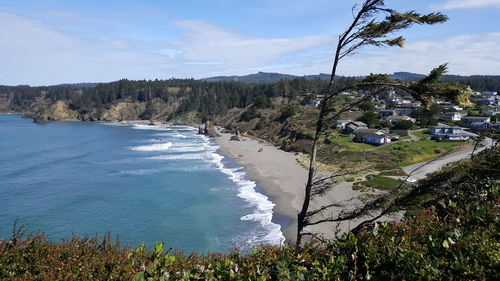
x: 476, y: 117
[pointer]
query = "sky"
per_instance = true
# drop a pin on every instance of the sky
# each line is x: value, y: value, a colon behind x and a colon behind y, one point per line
x: 48, y: 42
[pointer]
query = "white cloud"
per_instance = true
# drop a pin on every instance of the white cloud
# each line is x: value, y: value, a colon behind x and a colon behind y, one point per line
x: 34, y: 53
x: 466, y: 55
x: 202, y: 42
x: 467, y: 4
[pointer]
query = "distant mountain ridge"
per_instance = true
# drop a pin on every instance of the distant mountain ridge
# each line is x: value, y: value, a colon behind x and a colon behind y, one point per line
x: 272, y: 77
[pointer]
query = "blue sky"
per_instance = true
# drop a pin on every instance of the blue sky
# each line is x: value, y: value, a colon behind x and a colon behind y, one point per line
x: 44, y: 42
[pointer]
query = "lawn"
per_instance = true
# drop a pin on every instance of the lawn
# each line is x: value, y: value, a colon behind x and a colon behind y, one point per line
x: 378, y: 182
x: 419, y: 151
x: 391, y: 157
x: 348, y: 144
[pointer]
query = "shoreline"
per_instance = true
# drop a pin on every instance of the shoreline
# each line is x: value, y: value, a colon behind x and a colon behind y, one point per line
x: 276, y: 172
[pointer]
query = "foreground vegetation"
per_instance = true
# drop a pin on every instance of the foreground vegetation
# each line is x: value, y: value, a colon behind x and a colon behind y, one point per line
x: 454, y: 236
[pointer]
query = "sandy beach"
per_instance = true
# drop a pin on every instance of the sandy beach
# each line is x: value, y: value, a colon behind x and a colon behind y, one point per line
x: 277, y: 172
x: 280, y: 175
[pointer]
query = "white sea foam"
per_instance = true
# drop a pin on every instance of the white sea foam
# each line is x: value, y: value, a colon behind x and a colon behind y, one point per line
x: 187, y: 156
x: 201, y: 148
x: 246, y: 191
x: 188, y: 149
x: 152, y: 147
x: 152, y: 127
x: 147, y: 172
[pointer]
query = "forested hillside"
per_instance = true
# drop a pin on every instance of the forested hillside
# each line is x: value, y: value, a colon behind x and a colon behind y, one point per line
x: 158, y: 99
x: 167, y: 99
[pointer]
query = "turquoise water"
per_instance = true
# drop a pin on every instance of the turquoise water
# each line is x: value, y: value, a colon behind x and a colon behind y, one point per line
x: 142, y: 183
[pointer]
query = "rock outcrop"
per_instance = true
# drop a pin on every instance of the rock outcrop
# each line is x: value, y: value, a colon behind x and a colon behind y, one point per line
x: 124, y: 111
x: 209, y: 130
x: 61, y: 111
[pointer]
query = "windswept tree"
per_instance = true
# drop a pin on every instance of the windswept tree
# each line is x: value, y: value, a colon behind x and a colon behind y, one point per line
x: 373, y: 25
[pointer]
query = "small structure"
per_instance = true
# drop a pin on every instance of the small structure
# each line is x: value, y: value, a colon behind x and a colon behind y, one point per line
x: 450, y: 133
x: 488, y: 94
x: 451, y: 107
x: 452, y: 116
x: 314, y: 103
x: 372, y: 136
x: 476, y: 123
x: 404, y: 111
x: 340, y: 124
x: 386, y: 112
x: 492, y: 111
x: 353, y: 126
x: 396, y: 119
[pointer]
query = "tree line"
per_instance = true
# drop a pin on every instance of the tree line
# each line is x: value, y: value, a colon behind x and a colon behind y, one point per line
x: 205, y: 98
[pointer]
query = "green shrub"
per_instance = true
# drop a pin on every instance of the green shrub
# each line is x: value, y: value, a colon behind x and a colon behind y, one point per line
x: 249, y: 115
x: 287, y: 112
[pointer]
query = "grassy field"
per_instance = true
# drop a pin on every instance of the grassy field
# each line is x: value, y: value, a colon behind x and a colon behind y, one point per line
x: 390, y: 157
x: 377, y: 182
x: 419, y: 151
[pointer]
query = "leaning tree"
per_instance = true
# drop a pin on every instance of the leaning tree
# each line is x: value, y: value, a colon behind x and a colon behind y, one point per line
x: 373, y: 24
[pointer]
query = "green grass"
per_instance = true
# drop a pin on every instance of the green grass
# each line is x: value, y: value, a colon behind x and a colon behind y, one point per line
x: 377, y: 182
x: 415, y: 152
x: 350, y: 179
x: 421, y: 134
x: 348, y: 144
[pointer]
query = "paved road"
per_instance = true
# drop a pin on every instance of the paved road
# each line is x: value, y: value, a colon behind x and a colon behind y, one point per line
x: 432, y: 166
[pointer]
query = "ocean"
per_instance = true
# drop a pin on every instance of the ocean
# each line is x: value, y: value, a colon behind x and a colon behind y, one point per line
x: 142, y: 183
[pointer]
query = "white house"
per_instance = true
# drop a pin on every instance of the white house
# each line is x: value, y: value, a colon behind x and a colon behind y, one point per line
x: 450, y: 133
x: 372, y: 136
x: 396, y: 119
x: 452, y: 107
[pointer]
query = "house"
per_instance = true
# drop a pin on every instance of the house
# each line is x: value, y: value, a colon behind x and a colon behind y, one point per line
x: 314, y: 103
x: 404, y: 111
x: 372, y: 136
x: 405, y: 104
x: 396, y: 119
x: 450, y: 133
x: 491, y: 100
x: 386, y: 112
x: 492, y: 111
x: 353, y: 126
x: 340, y: 124
x: 488, y: 94
x: 452, y: 107
x: 476, y: 123
x: 452, y: 116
